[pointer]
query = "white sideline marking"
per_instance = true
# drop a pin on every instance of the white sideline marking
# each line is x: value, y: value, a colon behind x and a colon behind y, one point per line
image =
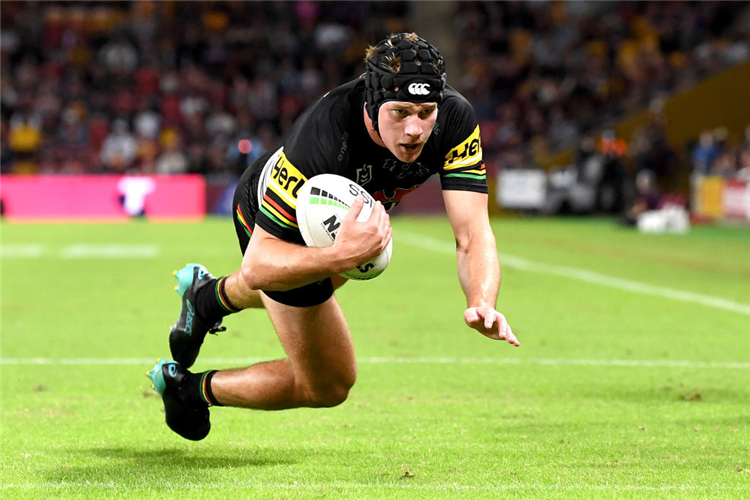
x: 82, y: 251
x: 110, y: 251
x: 627, y: 363
x: 22, y: 251
x: 587, y: 276
x: 301, y: 486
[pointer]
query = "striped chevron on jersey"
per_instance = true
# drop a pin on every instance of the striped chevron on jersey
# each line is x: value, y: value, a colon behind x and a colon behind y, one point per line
x: 470, y: 173
x: 279, y: 210
x: 280, y: 220
x: 244, y: 223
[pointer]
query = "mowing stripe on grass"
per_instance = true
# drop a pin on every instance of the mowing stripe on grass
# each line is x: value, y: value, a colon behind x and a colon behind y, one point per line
x: 441, y: 246
x: 627, y: 363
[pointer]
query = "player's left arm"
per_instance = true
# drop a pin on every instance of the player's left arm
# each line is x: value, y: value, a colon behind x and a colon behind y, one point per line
x: 478, y: 265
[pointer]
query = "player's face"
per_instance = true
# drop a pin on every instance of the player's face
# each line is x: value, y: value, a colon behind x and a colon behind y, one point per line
x: 405, y: 127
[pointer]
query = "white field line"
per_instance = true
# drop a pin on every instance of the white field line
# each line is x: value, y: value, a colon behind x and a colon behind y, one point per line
x: 82, y: 251
x: 583, y: 275
x: 626, y: 363
x: 111, y: 251
x: 338, y: 485
x: 31, y: 251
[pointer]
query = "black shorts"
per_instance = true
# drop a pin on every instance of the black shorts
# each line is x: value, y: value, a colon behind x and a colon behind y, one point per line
x: 244, y: 208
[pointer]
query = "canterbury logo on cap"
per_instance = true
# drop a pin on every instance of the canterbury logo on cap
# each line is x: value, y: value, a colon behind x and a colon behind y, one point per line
x: 419, y: 88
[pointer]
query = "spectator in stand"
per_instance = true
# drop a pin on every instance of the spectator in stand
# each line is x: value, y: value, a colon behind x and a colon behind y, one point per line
x: 612, y: 190
x: 220, y: 123
x: 72, y: 133
x: 705, y: 152
x: 743, y: 172
x: 147, y: 121
x: 117, y: 57
x: 119, y: 148
x: 650, y: 150
x: 24, y: 139
x: 588, y: 62
x: 721, y: 155
x: 743, y: 168
x: 725, y: 165
x: 172, y: 160
x: 6, y: 156
x: 647, y: 197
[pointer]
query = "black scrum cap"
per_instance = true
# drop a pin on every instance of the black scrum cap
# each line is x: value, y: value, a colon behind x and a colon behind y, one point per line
x: 405, y: 67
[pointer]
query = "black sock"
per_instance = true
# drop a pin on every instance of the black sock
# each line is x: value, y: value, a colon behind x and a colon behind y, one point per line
x: 213, y: 304
x: 197, y: 389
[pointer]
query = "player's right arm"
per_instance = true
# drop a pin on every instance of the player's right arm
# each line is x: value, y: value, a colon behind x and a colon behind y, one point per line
x: 276, y: 258
x: 273, y: 264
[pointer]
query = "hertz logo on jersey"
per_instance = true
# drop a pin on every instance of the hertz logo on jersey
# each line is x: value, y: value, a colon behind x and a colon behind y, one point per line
x: 286, y: 179
x: 468, y: 153
x: 280, y: 199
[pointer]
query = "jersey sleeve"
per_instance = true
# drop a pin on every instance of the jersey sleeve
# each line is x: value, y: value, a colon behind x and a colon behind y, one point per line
x: 463, y: 167
x: 306, y: 153
x: 277, y: 213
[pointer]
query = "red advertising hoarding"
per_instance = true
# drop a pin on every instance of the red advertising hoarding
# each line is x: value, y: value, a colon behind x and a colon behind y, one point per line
x: 109, y: 198
x: 719, y: 198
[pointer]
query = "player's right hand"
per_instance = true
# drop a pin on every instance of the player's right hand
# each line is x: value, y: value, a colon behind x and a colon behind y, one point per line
x: 360, y: 242
x: 490, y: 323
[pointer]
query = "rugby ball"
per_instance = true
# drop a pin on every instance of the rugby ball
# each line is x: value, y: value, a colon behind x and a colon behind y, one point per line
x: 322, y: 203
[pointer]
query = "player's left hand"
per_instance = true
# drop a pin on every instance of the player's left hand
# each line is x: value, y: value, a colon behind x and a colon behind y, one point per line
x: 490, y: 323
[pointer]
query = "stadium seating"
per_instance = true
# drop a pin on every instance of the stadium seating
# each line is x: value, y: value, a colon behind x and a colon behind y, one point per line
x: 542, y: 76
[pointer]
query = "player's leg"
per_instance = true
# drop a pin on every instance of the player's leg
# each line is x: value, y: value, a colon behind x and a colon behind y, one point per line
x: 205, y: 299
x: 243, y: 297
x: 319, y: 370
x: 205, y: 302
x: 203, y: 305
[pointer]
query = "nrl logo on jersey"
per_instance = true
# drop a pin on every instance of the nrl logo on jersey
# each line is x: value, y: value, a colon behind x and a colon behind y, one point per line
x: 364, y: 175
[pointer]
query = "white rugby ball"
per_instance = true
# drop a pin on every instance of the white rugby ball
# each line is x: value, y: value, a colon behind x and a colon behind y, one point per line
x: 322, y: 203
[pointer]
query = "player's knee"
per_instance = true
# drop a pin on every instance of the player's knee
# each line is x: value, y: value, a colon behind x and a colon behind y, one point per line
x: 329, y: 394
x: 248, y: 276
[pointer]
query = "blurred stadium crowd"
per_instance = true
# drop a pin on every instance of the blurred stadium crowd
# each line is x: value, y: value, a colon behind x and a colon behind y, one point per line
x: 544, y: 76
x: 171, y: 87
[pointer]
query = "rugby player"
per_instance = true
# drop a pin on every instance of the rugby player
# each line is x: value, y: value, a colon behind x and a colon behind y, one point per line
x: 389, y: 130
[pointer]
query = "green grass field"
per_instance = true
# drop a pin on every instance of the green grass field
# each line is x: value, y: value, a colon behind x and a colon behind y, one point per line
x: 632, y: 379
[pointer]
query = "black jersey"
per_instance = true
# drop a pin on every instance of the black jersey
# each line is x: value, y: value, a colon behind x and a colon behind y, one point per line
x: 330, y: 137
